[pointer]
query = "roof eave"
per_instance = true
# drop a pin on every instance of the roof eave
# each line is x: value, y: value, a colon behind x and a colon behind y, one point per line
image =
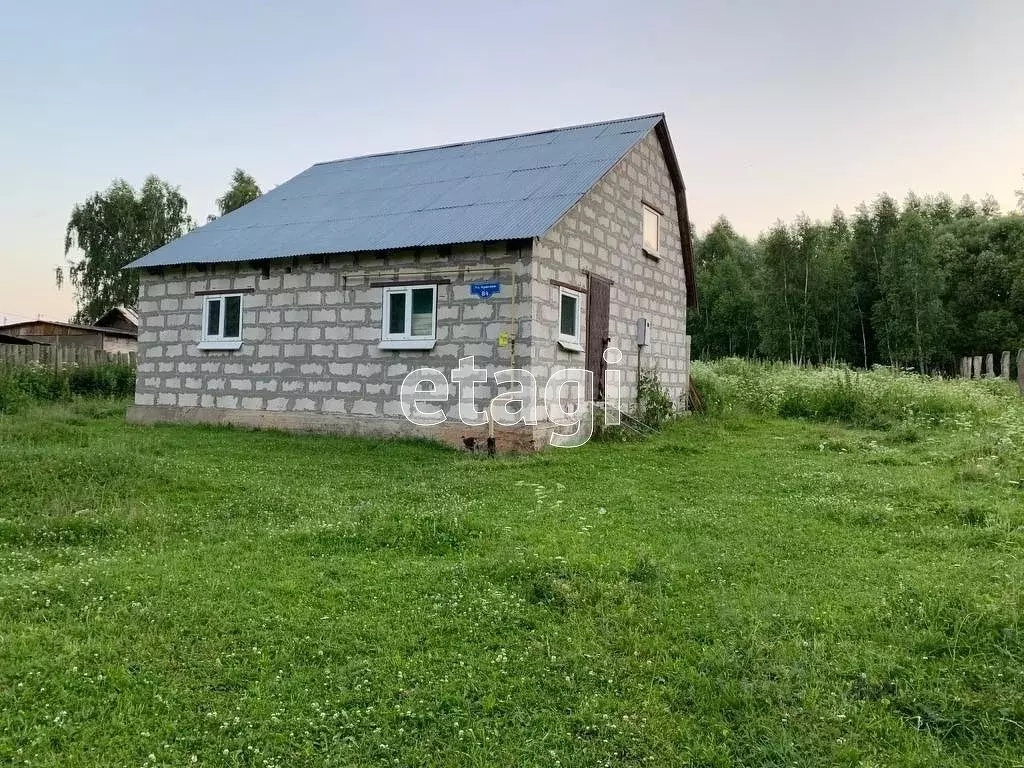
x: 661, y: 130
x: 515, y: 238
x: 93, y: 328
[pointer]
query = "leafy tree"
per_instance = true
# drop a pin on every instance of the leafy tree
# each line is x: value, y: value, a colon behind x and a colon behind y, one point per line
x: 913, y: 202
x: 985, y: 268
x: 833, y: 297
x: 776, y: 315
x: 967, y: 209
x: 112, y: 228
x: 244, y: 189
x: 870, y: 242
x: 807, y: 310
x: 727, y: 272
x: 924, y: 285
x: 911, y: 285
x: 989, y: 206
x: 865, y: 283
x: 939, y: 208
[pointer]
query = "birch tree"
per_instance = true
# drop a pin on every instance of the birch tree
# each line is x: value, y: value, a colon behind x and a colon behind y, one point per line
x: 109, y: 230
x: 243, y: 189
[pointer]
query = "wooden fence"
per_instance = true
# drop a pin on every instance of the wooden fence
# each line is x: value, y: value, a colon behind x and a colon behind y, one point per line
x: 984, y: 367
x: 59, y: 356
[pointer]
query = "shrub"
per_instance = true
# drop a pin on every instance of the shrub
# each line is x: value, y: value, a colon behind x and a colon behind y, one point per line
x: 22, y: 385
x: 654, y: 406
x: 39, y: 382
x: 713, y: 392
x: 12, y: 398
x: 113, y: 380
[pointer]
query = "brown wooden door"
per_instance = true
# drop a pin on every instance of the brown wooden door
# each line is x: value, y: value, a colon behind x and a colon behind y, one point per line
x: 599, y: 292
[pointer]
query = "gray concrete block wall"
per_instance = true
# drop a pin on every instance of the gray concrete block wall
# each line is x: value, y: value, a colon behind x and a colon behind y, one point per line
x: 310, y: 331
x: 603, y: 234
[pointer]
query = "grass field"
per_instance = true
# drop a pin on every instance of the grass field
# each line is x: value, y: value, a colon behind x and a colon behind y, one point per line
x: 738, y: 590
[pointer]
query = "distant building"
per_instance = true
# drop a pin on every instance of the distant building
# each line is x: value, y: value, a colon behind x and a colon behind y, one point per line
x: 18, y: 340
x: 121, y: 318
x: 55, y: 333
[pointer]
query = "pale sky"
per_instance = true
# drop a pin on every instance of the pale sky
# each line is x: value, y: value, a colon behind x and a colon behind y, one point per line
x: 775, y: 108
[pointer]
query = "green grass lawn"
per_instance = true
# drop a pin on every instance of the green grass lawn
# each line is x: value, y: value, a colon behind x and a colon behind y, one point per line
x: 733, y: 591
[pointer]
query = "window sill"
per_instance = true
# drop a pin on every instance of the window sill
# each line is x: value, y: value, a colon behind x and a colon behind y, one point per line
x: 407, y: 344
x: 652, y: 255
x: 210, y: 345
x: 570, y: 346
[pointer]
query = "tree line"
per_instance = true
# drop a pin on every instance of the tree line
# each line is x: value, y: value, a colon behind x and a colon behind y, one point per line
x: 919, y: 285
x: 914, y: 285
x: 121, y: 224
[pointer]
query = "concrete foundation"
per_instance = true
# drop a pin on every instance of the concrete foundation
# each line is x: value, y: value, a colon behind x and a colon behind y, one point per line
x: 519, y: 439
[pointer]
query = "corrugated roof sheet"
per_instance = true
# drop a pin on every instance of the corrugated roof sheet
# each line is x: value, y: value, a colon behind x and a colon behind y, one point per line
x: 59, y: 324
x: 494, y: 189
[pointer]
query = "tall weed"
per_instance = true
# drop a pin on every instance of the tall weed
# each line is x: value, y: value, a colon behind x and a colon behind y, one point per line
x: 879, y: 398
x: 23, y: 385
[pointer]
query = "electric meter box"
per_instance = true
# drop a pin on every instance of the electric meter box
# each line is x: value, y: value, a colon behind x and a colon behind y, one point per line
x: 643, y: 332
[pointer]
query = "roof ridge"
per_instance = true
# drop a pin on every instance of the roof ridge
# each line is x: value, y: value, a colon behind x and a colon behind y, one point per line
x: 63, y: 324
x: 345, y: 207
x: 493, y: 138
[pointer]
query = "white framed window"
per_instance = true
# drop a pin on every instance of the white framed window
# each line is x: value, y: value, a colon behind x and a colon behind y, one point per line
x: 652, y: 231
x: 409, y: 317
x: 569, y: 310
x: 222, y: 322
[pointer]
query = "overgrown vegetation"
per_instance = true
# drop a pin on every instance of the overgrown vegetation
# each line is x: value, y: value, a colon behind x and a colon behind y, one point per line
x: 922, y: 286
x: 738, y: 589
x: 23, y: 385
x: 878, y: 398
x: 654, y: 405
x: 652, y: 410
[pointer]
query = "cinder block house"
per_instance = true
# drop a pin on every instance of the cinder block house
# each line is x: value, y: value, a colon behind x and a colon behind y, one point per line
x: 306, y: 308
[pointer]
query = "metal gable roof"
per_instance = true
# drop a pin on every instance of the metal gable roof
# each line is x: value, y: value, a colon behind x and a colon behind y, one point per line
x: 494, y: 189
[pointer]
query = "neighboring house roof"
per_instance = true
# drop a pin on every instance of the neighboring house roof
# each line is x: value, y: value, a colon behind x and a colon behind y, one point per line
x: 25, y: 329
x: 123, y: 315
x: 8, y: 339
x: 494, y: 189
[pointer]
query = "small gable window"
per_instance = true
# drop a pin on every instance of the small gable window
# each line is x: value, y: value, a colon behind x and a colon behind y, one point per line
x: 569, y: 320
x: 222, y: 322
x: 409, y: 317
x: 652, y: 231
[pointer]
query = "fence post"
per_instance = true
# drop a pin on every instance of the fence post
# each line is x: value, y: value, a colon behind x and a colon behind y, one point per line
x: 1020, y: 371
x: 1004, y: 366
x: 58, y: 356
x: 977, y: 367
x: 965, y: 367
